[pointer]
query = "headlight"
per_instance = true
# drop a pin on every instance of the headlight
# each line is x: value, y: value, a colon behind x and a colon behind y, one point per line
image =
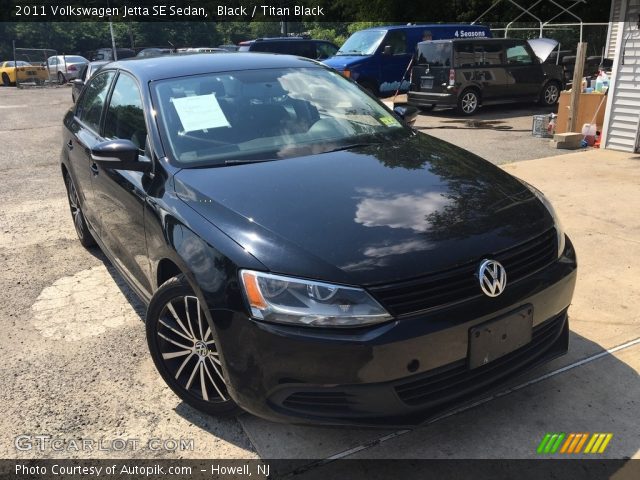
x: 552, y: 212
x: 279, y: 299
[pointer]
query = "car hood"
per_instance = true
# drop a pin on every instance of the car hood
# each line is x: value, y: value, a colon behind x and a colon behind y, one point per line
x: 368, y: 215
x: 340, y: 62
x: 542, y: 47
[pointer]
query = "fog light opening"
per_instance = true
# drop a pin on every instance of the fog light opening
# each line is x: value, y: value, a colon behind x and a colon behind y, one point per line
x: 413, y: 365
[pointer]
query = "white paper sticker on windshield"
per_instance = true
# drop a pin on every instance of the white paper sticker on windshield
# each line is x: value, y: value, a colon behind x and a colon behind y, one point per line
x: 200, y: 112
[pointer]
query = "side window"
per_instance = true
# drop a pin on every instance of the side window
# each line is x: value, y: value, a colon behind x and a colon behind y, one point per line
x: 325, y: 50
x: 397, y: 40
x: 90, y: 105
x: 125, y: 116
x: 518, y: 55
x: 304, y: 49
x: 467, y: 56
x: 492, y: 54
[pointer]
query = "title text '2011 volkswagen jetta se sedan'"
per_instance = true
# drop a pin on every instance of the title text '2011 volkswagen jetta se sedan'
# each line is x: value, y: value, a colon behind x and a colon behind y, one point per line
x: 305, y: 255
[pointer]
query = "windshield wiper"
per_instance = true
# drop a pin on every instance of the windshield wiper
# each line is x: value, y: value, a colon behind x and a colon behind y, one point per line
x: 349, y: 52
x: 351, y: 146
x: 240, y: 161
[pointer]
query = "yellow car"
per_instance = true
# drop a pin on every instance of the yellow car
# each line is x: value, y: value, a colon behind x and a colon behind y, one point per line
x: 24, y: 71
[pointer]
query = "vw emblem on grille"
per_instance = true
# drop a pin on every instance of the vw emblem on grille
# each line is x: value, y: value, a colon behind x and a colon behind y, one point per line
x: 493, y: 278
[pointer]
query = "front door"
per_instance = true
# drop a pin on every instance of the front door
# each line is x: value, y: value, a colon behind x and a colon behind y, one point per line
x: 524, y: 74
x: 84, y: 128
x: 394, y: 62
x: 120, y: 194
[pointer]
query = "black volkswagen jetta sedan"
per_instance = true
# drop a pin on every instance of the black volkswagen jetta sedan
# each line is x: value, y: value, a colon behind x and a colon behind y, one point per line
x: 305, y: 255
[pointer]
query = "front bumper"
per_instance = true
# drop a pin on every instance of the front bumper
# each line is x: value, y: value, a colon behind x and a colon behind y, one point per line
x: 404, y: 372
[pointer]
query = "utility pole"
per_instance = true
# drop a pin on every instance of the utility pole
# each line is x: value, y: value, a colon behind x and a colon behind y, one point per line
x: 113, y: 40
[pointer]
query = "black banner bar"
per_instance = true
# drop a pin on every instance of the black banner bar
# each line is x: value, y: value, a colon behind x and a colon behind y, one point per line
x: 584, y: 469
x: 388, y: 11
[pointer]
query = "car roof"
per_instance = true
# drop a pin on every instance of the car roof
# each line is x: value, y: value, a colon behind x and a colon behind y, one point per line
x: 148, y: 69
x: 281, y: 39
x: 422, y: 26
x: 473, y: 39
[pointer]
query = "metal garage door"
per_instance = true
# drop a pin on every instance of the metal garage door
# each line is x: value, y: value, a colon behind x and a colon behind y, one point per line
x: 623, y: 131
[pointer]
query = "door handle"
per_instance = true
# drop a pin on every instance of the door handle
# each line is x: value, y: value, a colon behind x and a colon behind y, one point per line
x: 94, y: 169
x: 70, y: 144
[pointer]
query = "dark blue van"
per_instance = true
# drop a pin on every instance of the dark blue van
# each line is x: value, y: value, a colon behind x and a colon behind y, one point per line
x: 378, y: 57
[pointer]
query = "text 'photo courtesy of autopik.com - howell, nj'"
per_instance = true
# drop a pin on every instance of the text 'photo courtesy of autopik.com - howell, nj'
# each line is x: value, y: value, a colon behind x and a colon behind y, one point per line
x: 299, y: 239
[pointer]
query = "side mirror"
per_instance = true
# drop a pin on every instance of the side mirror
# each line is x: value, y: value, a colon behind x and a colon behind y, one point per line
x: 77, y: 82
x: 119, y: 154
x: 387, y: 50
x: 407, y: 113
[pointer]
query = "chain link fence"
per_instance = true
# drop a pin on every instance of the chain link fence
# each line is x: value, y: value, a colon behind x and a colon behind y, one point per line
x: 31, y: 67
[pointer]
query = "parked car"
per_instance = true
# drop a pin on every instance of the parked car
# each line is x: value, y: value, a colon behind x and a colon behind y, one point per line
x: 154, y: 52
x: 202, y: 50
x: 377, y: 58
x: 468, y: 73
x: 12, y: 71
x: 302, y: 47
x: 86, y: 72
x: 107, y: 54
x: 304, y: 254
x: 65, y: 67
x: 229, y: 48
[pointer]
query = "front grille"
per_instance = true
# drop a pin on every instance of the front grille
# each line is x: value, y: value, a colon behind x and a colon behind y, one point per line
x: 461, y: 283
x: 456, y: 379
x: 327, y: 402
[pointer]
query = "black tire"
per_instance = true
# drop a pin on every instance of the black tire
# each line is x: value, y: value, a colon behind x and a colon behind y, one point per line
x: 79, y: 222
x: 550, y: 94
x: 177, y: 328
x: 61, y: 79
x: 5, y: 80
x: 468, y: 102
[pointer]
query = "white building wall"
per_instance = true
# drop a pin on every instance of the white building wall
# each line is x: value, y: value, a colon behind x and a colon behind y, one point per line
x: 622, y: 119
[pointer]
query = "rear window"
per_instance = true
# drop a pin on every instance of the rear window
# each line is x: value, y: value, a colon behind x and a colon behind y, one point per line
x: 72, y: 58
x: 434, y: 54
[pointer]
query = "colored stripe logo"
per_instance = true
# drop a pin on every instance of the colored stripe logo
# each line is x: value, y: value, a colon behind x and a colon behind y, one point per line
x: 572, y: 443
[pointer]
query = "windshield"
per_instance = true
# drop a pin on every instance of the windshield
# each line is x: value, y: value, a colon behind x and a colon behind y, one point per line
x: 267, y: 114
x: 364, y: 42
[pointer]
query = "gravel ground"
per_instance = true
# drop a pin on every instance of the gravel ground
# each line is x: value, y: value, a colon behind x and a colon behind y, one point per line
x: 75, y: 357
x: 499, y: 133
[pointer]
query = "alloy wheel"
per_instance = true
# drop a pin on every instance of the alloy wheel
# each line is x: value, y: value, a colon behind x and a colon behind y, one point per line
x: 551, y: 94
x: 189, y: 351
x: 469, y: 102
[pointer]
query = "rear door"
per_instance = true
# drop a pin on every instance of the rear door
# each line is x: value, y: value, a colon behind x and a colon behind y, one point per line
x: 432, y: 64
x: 489, y: 73
x: 524, y: 75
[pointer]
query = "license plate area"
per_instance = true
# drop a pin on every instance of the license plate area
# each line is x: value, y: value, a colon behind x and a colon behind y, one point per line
x: 500, y: 336
x: 426, y: 82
